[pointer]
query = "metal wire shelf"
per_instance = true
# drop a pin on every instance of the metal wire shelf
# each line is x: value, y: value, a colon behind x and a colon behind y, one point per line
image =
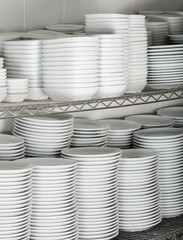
x: 31, y: 108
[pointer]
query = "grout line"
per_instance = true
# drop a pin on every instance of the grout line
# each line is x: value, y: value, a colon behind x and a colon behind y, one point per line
x: 63, y: 11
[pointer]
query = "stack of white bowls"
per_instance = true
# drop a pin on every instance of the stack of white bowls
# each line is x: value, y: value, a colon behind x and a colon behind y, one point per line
x: 96, y: 189
x: 176, y: 39
x: 112, y: 80
x: 175, y: 22
x: 160, y: 31
x: 165, y: 64
x: 168, y: 142
x: 17, y: 90
x: 15, y: 201
x: 139, y: 193
x: 46, y: 135
x: 175, y: 113
x: 111, y: 24
x: 11, y: 148
x: 89, y: 133
x: 120, y: 133
x: 6, y: 37
x: 70, y: 68
x: 23, y: 60
x: 3, y: 88
x: 151, y: 121
x: 54, y: 210
x: 137, y: 54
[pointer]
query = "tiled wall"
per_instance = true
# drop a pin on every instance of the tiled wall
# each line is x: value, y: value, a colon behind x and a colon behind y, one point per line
x: 25, y: 15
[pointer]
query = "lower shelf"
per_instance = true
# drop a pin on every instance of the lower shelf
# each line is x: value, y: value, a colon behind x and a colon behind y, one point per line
x: 168, y: 229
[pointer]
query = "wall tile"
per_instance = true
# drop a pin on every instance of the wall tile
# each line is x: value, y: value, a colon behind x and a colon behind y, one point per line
x: 75, y: 10
x: 146, y: 5
x: 116, y: 6
x: 115, y: 112
x: 145, y: 108
x: 11, y: 15
x: 39, y: 13
x: 168, y: 5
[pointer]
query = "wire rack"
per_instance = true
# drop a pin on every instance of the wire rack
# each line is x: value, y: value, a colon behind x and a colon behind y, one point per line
x: 30, y: 108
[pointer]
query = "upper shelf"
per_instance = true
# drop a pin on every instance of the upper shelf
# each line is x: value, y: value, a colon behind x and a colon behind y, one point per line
x: 30, y: 108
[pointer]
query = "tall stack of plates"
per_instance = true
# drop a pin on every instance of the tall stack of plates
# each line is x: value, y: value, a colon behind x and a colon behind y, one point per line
x: 160, y: 31
x: 165, y: 65
x: 176, y: 39
x: 112, y: 80
x: 175, y: 22
x: 70, y: 68
x: 15, y: 201
x: 46, y: 135
x: 111, y: 24
x: 175, y: 113
x: 139, y: 193
x: 138, y: 54
x: 11, y: 148
x: 151, y: 121
x: 168, y: 142
x: 66, y: 28
x: 54, y: 211
x: 23, y: 60
x: 96, y: 189
x: 3, y: 89
x: 149, y: 38
x: 121, y: 132
x: 88, y: 133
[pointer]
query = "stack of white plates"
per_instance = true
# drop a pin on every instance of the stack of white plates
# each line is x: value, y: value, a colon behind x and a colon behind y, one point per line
x: 70, y: 68
x: 121, y: 132
x: 42, y: 34
x: 139, y: 193
x: 6, y: 37
x: 23, y: 60
x: 11, y: 148
x: 89, y: 133
x: 137, y: 54
x: 96, y: 189
x: 160, y: 31
x: 3, y: 88
x: 46, y: 135
x: 175, y: 113
x: 106, y: 23
x: 54, y: 211
x: 15, y: 201
x: 165, y: 65
x: 66, y: 28
x: 112, y: 80
x: 17, y: 90
x: 176, y: 39
x: 151, y: 121
x: 149, y: 38
x: 175, y: 22
x: 167, y: 141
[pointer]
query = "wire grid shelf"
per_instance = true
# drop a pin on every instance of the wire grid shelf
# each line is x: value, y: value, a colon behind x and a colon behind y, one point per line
x: 31, y: 108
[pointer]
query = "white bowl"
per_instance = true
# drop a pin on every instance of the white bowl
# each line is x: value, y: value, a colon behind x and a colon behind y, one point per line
x: 135, y: 87
x: 111, y: 91
x: 17, y: 91
x: 15, y: 98
x: 36, y: 94
x: 2, y: 96
x: 71, y: 94
x: 68, y: 85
